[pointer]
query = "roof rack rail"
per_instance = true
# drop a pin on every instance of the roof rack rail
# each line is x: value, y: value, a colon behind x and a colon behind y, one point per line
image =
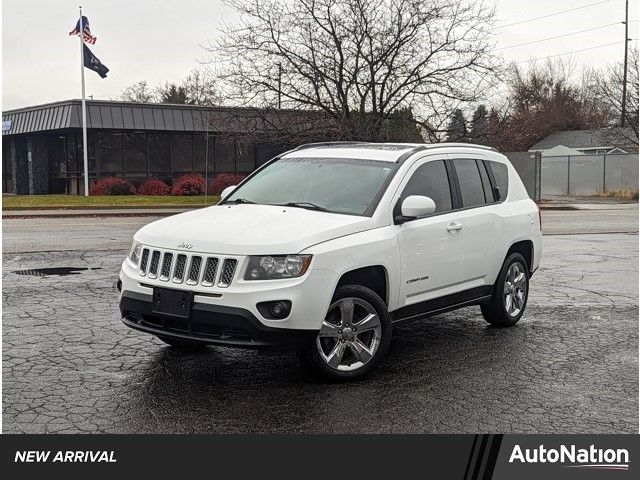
x: 423, y: 145
x: 329, y: 144
x: 460, y: 144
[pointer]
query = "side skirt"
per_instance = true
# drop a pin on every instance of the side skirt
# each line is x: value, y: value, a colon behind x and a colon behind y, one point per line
x: 428, y: 308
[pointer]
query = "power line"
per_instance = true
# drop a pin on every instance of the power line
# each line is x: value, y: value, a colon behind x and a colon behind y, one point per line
x: 560, y: 36
x: 553, y: 14
x: 575, y: 51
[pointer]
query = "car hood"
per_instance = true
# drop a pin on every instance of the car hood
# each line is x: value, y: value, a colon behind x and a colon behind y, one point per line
x: 249, y: 229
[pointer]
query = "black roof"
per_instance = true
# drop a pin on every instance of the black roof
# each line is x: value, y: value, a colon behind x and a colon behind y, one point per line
x: 107, y: 114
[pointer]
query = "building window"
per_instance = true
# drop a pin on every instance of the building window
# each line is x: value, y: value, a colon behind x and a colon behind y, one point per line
x: 110, y: 152
x: 225, y: 155
x: 181, y: 153
x: 135, y: 153
x: 159, y: 154
x: 202, y: 145
x: 244, y: 157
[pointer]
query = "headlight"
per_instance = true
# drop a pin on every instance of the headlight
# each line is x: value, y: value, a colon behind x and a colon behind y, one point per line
x: 134, y: 253
x: 270, y: 267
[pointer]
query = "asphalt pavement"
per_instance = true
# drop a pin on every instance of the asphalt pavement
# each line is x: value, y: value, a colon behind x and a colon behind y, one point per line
x: 569, y: 366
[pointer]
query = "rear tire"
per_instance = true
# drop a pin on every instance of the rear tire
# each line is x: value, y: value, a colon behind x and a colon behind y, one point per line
x: 510, y: 293
x: 182, y: 343
x: 354, y: 337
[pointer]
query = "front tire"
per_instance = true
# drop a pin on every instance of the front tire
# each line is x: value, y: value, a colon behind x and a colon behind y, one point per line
x: 354, y: 337
x: 510, y: 293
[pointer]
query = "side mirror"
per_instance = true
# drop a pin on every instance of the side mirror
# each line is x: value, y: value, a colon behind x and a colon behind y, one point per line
x: 416, y: 206
x: 227, y: 191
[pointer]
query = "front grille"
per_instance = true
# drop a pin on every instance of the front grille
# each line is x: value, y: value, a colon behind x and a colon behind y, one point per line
x: 228, y: 269
x: 165, y: 271
x: 209, y: 277
x: 184, y: 267
x: 178, y: 272
x: 155, y: 260
x: 144, y: 261
x: 194, y: 271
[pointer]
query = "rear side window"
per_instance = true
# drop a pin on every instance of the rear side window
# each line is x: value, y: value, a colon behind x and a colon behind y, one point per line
x: 500, y: 178
x: 430, y: 180
x: 470, y: 182
x: 486, y: 183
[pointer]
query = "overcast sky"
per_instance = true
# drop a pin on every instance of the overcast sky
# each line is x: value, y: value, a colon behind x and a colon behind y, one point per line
x: 159, y: 40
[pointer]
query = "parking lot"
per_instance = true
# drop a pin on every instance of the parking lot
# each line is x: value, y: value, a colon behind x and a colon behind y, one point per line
x: 570, y: 365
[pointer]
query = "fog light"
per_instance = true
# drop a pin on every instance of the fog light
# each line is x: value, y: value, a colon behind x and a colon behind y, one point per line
x: 276, y: 310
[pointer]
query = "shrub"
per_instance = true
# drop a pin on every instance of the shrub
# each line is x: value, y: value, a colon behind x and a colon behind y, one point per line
x: 154, y: 186
x: 224, y: 180
x: 112, y: 186
x: 189, y: 185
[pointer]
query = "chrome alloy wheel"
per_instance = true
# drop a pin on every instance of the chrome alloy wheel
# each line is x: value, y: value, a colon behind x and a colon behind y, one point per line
x: 515, y: 289
x: 350, y: 334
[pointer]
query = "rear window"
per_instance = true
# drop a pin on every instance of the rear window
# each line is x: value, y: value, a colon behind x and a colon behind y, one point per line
x: 501, y: 178
x: 470, y: 182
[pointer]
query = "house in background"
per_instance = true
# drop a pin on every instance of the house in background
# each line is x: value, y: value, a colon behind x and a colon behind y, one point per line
x: 588, y: 142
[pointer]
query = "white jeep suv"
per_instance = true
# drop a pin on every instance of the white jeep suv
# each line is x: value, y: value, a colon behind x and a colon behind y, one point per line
x: 326, y: 247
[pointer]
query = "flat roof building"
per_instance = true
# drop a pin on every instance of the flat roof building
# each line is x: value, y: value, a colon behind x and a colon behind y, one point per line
x: 42, y: 145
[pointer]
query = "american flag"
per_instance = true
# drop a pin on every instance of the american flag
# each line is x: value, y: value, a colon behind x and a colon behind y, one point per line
x: 86, y: 34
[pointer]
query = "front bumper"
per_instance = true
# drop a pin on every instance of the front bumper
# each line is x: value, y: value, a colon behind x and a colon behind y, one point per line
x: 214, y: 324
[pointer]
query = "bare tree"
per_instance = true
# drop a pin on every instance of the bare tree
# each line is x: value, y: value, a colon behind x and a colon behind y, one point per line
x: 358, y: 61
x: 543, y: 99
x: 608, y: 87
x: 197, y: 88
x: 138, y: 92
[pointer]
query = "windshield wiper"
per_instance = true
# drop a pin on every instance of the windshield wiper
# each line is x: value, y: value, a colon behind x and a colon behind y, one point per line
x: 241, y: 200
x: 307, y: 205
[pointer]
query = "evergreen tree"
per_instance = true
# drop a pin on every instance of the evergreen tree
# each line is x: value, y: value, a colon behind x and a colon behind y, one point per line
x: 478, y: 131
x: 457, y: 130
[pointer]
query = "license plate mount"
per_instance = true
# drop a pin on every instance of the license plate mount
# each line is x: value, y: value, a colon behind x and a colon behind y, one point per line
x: 174, y: 303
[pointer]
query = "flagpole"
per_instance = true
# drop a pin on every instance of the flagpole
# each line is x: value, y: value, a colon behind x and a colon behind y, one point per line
x: 84, y: 110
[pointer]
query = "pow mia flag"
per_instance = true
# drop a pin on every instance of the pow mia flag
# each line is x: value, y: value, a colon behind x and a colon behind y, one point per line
x: 92, y: 62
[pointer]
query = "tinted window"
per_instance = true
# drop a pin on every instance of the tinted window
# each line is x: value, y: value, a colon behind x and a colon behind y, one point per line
x: 181, y: 153
x: 486, y: 184
x: 470, y: 182
x: 244, y: 157
x: 135, y: 152
x: 159, y: 153
x: 225, y: 155
x: 110, y: 146
x: 431, y: 181
x: 501, y: 178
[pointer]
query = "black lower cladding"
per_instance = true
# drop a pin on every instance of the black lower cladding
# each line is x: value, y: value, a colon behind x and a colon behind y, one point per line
x: 215, y: 324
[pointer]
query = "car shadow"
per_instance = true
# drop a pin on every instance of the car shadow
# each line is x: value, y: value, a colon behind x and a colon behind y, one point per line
x: 223, y: 390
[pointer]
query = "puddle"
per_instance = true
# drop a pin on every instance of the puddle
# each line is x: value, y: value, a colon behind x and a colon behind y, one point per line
x: 54, y: 271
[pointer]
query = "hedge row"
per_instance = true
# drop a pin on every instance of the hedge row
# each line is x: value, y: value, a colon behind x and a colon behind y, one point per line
x: 191, y: 184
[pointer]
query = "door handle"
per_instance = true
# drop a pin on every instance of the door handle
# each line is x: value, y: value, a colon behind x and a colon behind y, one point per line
x: 452, y: 227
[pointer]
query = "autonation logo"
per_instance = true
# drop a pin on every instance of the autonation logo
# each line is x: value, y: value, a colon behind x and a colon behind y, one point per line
x: 574, y: 457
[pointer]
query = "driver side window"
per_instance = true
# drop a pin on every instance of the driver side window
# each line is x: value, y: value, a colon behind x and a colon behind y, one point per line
x: 430, y: 180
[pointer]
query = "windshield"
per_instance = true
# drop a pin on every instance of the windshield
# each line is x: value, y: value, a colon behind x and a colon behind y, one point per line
x: 337, y: 185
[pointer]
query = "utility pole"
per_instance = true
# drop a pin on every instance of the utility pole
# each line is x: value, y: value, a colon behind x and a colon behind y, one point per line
x: 626, y: 52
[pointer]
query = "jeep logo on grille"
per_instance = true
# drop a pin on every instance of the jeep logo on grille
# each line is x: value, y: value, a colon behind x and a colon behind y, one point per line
x: 185, y: 245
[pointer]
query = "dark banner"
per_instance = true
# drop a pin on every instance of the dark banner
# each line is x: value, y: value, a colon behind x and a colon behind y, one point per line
x: 466, y: 457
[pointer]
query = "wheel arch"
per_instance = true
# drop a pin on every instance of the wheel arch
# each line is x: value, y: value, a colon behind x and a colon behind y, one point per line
x: 524, y: 248
x: 374, y: 277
